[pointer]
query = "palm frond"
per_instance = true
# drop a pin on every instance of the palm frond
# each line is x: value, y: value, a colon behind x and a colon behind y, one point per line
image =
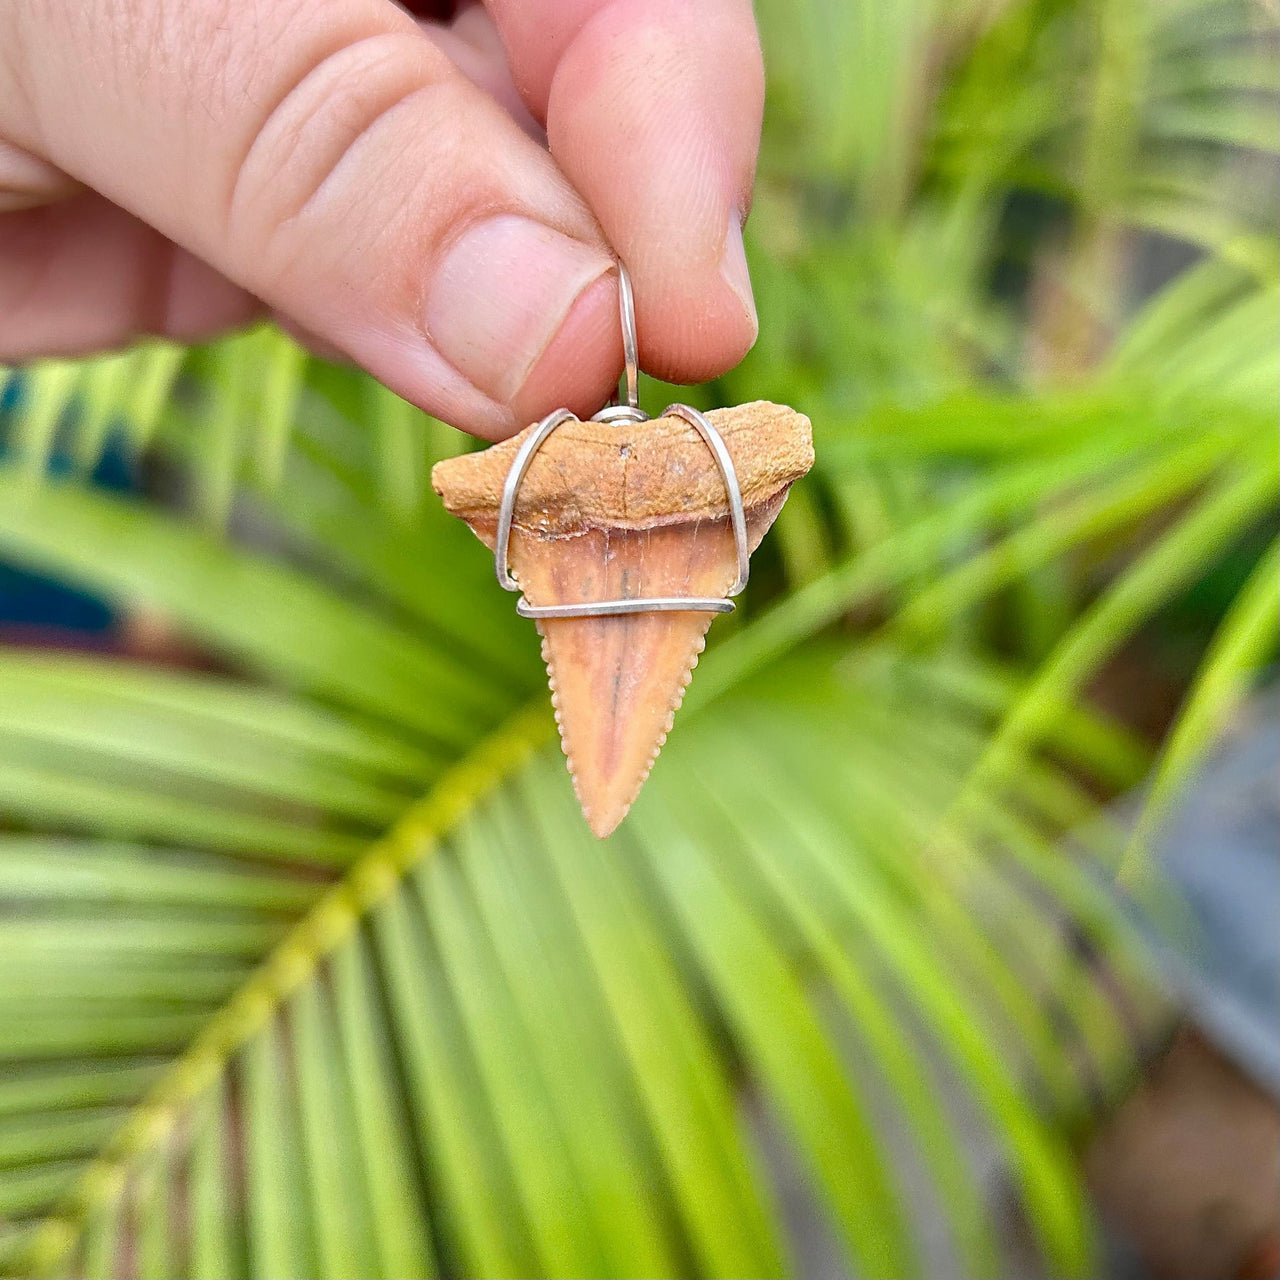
x: 274, y: 619
x: 1171, y: 563
x: 1244, y: 642
x: 568, y: 1015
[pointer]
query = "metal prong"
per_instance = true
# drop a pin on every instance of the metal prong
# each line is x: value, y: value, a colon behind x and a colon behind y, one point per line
x: 630, y: 346
x: 506, y: 512
x: 737, y: 516
x: 611, y: 608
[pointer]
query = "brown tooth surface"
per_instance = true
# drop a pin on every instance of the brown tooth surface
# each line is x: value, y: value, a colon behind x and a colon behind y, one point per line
x: 617, y: 681
x: 627, y: 511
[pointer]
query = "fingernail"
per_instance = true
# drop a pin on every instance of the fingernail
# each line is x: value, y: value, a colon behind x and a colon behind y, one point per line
x: 501, y: 293
x: 733, y: 267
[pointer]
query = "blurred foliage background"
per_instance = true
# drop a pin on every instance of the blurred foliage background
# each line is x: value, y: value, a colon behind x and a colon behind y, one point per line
x: 308, y: 966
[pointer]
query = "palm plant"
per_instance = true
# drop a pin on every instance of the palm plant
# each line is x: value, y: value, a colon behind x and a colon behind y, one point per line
x: 307, y: 964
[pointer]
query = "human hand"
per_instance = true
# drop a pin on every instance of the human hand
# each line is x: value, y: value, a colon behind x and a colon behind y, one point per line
x: 172, y: 166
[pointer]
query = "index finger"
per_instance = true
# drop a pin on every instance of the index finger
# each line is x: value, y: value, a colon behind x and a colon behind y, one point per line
x: 653, y: 111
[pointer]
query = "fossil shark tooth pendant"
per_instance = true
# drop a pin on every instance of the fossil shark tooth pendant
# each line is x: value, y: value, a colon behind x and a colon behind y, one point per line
x: 626, y: 536
x: 633, y: 512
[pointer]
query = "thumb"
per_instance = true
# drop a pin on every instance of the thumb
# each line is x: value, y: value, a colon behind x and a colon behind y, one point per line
x: 329, y: 158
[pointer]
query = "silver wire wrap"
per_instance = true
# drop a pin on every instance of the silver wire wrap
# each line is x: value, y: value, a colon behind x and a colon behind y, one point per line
x: 628, y: 410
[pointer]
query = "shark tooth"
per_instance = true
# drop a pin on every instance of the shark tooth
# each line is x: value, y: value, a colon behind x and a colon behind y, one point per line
x: 627, y: 511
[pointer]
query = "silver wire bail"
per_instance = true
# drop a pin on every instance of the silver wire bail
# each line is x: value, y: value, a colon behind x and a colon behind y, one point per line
x: 626, y: 405
x: 625, y: 409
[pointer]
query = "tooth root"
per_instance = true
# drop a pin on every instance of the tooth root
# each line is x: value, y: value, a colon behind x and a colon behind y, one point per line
x: 618, y: 680
x: 622, y: 512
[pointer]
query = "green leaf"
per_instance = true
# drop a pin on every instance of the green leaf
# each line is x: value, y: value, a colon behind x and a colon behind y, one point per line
x: 400, y: 1235
x: 282, y: 386
x: 279, y: 1226
x: 778, y: 1029
x: 103, y: 390
x: 214, y: 1251
x: 48, y: 389
x: 1245, y: 640
x: 159, y: 364
x: 276, y: 620
x: 338, y: 1209
x: 1169, y: 564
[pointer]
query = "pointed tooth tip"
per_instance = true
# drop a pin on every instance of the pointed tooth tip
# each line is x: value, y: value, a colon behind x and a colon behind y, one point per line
x: 604, y: 825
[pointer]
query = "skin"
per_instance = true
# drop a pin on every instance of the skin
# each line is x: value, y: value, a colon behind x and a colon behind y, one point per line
x: 438, y: 201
